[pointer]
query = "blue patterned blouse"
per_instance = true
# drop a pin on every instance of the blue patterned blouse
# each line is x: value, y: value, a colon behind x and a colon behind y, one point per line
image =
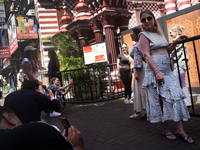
x: 136, y: 52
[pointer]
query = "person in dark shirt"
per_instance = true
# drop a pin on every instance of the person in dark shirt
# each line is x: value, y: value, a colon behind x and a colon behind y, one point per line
x: 13, y: 77
x: 124, y: 71
x: 35, y: 135
x: 53, y: 66
x: 28, y: 102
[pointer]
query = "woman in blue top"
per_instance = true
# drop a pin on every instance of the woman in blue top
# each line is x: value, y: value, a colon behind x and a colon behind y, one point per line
x: 139, y: 72
x: 165, y: 98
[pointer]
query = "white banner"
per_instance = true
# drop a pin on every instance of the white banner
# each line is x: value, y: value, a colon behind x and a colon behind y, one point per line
x: 2, y: 11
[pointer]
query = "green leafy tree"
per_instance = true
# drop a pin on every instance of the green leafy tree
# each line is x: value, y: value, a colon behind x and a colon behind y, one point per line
x: 68, y: 52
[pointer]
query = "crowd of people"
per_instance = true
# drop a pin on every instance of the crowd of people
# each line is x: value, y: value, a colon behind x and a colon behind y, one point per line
x: 24, y: 105
x: 158, y: 95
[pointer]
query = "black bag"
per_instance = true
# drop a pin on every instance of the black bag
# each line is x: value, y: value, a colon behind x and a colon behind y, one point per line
x: 1, y: 94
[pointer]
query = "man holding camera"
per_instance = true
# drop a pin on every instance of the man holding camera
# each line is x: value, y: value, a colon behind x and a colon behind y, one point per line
x: 29, y: 102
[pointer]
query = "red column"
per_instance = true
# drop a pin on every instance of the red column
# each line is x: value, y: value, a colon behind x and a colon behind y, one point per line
x: 122, y: 22
x: 116, y: 38
x: 137, y: 10
x: 108, y: 25
x: 74, y: 36
x: 161, y: 8
x: 83, y: 36
x: 98, y: 31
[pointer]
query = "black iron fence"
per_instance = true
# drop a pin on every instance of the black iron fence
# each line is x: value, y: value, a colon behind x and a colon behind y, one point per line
x: 92, y: 84
x: 193, y: 72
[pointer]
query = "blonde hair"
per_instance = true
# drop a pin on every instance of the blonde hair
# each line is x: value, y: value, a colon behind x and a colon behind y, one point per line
x: 53, y: 79
x: 128, y: 51
x: 128, y: 48
x: 178, y: 28
x: 156, y: 25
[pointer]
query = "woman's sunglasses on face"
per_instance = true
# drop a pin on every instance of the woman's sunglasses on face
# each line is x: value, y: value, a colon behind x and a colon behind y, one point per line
x: 145, y: 19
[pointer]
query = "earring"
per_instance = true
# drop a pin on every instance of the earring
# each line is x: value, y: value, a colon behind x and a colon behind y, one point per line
x: 155, y: 26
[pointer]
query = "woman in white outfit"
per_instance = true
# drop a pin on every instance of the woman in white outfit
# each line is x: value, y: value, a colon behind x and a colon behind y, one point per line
x: 30, y: 64
x: 139, y: 73
x: 178, y: 53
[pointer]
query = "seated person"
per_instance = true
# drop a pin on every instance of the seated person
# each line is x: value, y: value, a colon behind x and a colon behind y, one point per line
x: 28, y: 102
x: 35, y: 135
x: 57, y: 90
x: 58, y: 93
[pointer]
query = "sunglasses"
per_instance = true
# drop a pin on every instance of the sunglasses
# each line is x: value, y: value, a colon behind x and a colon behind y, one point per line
x: 145, y: 19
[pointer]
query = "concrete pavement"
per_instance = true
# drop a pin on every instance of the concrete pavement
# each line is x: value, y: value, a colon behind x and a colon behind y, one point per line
x: 106, y: 126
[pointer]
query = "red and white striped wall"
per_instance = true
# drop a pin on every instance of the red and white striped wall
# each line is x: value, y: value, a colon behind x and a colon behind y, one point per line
x: 194, y: 2
x: 48, y: 26
x: 182, y: 4
x: 170, y: 6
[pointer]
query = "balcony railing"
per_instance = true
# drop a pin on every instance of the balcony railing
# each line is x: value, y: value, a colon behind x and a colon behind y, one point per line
x: 193, y: 73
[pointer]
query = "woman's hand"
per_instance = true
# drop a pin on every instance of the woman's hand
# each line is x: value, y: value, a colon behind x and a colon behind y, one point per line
x: 180, y: 39
x: 40, y: 82
x: 50, y: 94
x: 159, y: 77
x: 136, y: 74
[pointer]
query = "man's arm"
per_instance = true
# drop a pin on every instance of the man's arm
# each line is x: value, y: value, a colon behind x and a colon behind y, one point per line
x: 47, y: 102
x: 65, y: 86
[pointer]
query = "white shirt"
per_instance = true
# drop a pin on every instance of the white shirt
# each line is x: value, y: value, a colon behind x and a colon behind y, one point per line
x: 21, y: 77
x: 35, y: 74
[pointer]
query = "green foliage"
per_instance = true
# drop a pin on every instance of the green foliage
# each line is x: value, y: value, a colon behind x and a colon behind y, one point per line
x: 68, y: 52
x: 69, y: 61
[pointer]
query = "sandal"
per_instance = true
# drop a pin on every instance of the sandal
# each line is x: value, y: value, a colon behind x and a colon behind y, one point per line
x: 135, y: 116
x: 167, y: 134
x: 185, y: 137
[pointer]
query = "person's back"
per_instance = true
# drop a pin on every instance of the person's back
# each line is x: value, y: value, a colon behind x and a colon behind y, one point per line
x: 13, y: 76
x: 28, y: 104
x: 26, y: 137
x: 35, y: 135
